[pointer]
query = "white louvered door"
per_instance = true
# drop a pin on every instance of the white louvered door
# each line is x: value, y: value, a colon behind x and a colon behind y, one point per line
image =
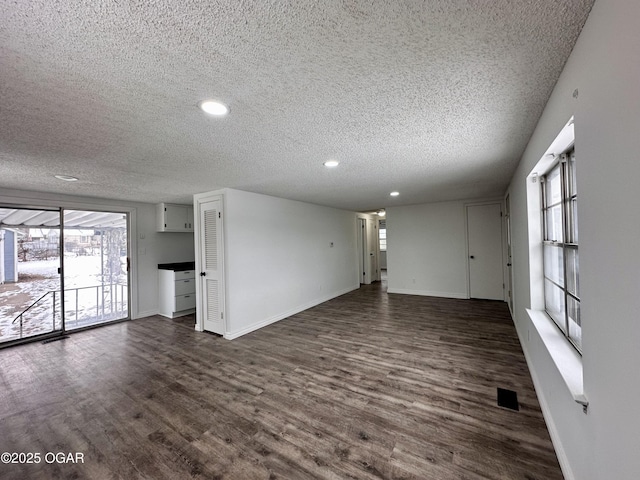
x: 211, y: 266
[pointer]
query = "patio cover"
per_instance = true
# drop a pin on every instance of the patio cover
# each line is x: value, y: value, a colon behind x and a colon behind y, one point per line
x: 23, y: 217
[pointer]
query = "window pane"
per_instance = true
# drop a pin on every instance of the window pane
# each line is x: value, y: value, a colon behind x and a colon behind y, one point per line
x: 573, y: 280
x: 554, y: 264
x: 575, y: 326
x: 553, y: 187
x: 572, y: 174
x: 553, y: 219
x: 554, y: 303
x: 573, y: 228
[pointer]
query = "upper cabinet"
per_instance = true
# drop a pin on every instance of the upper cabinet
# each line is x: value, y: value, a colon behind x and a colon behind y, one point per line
x: 175, y: 218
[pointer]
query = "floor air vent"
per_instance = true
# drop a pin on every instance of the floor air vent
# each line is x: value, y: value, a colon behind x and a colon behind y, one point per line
x: 49, y: 340
x: 508, y: 399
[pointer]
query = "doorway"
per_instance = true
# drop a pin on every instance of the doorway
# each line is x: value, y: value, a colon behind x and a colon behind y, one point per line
x: 362, y: 249
x: 209, y: 261
x: 30, y: 273
x: 507, y: 220
x: 96, y: 268
x: 368, y: 248
x: 484, y: 235
x: 62, y: 269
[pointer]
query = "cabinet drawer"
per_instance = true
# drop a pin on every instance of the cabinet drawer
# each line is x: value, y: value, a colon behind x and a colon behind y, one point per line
x: 185, y: 286
x: 184, y: 274
x: 185, y: 302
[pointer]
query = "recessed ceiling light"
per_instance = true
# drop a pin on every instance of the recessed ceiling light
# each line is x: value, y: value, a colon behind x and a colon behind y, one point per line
x: 394, y: 194
x: 66, y: 178
x: 331, y: 163
x: 214, y: 108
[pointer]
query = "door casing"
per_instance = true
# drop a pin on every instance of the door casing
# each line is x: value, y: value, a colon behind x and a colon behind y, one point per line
x: 484, y: 251
x: 204, y: 275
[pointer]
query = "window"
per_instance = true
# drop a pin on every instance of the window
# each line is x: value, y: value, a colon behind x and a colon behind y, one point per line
x: 560, y: 247
x: 382, y: 232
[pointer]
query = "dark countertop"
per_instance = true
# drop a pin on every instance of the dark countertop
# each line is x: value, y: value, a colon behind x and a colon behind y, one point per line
x: 177, y: 267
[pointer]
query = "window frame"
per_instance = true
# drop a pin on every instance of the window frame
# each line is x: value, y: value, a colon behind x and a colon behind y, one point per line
x: 567, y: 245
x: 382, y: 238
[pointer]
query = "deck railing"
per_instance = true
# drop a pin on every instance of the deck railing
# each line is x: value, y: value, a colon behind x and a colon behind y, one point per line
x: 110, y: 302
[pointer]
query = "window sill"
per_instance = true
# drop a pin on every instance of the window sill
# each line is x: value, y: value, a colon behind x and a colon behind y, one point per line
x: 567, y: 360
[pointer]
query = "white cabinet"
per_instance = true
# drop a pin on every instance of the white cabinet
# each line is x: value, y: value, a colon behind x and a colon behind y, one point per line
x: 177, y: 293
x: 175, y: 218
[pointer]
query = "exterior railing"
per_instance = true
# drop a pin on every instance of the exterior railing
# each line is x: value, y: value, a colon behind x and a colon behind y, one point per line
x: 21, y: 315
x: 111, y: 303
x: 114, y: 304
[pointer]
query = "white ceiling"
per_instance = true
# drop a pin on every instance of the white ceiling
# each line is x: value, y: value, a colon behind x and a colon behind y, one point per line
x: 435, y: 99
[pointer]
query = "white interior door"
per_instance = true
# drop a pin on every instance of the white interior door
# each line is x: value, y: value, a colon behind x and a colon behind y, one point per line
x: 372, y: 245
x: 484, y: 224
x: 211, y: 255
x: 362, y: 250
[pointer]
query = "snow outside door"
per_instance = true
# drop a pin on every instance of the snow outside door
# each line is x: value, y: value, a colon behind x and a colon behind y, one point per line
x: 484, y: 224
x: 211, y: 255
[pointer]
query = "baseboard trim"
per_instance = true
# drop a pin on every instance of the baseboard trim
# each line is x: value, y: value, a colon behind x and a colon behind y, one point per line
x: 427, y: 293
x: 147, y: 313
x: 181, y: 313
x: 563, y: 460
x: 288, y: 313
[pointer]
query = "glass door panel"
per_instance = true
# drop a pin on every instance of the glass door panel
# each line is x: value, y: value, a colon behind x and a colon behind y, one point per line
x: 30, y: 263
x: 96, y: 274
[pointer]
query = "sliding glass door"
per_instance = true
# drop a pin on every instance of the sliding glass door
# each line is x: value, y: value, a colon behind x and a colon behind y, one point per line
x: 30, y: 266
x: 61, y: 270
x: 96, y: 273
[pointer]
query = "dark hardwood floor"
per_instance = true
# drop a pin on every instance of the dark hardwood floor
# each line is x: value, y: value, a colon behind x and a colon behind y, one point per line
x: 365, y: 386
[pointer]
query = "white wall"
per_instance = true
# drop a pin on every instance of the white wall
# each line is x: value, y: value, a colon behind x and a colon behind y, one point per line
x: 605, y: 68
x: 426, y: 250
x: 278, y: 258
x: 147, y: 252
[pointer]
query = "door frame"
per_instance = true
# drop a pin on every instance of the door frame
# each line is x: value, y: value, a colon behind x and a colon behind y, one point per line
x: 60, y: 266
x: 22, y: 202
x: 466, y: 235
x: 198, y: 200
x: 361, y: 228
x: 508, y: 253
x: 129, y: 265
x: 52, y: 204
x: 365, y: 245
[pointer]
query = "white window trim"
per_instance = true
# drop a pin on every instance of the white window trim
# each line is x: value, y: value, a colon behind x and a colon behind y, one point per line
x: 566, y: 358
x: 564, y: 355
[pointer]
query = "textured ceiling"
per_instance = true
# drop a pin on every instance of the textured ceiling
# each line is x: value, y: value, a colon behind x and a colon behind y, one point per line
x: 435, y: 99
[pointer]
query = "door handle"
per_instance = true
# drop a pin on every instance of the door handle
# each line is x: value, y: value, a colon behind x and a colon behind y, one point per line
x: 508, y: 264
x: 471, y: 256
x: 203, y: 274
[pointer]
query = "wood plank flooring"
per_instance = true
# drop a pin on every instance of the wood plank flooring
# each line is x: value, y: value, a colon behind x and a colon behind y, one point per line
x: 366, y: 386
